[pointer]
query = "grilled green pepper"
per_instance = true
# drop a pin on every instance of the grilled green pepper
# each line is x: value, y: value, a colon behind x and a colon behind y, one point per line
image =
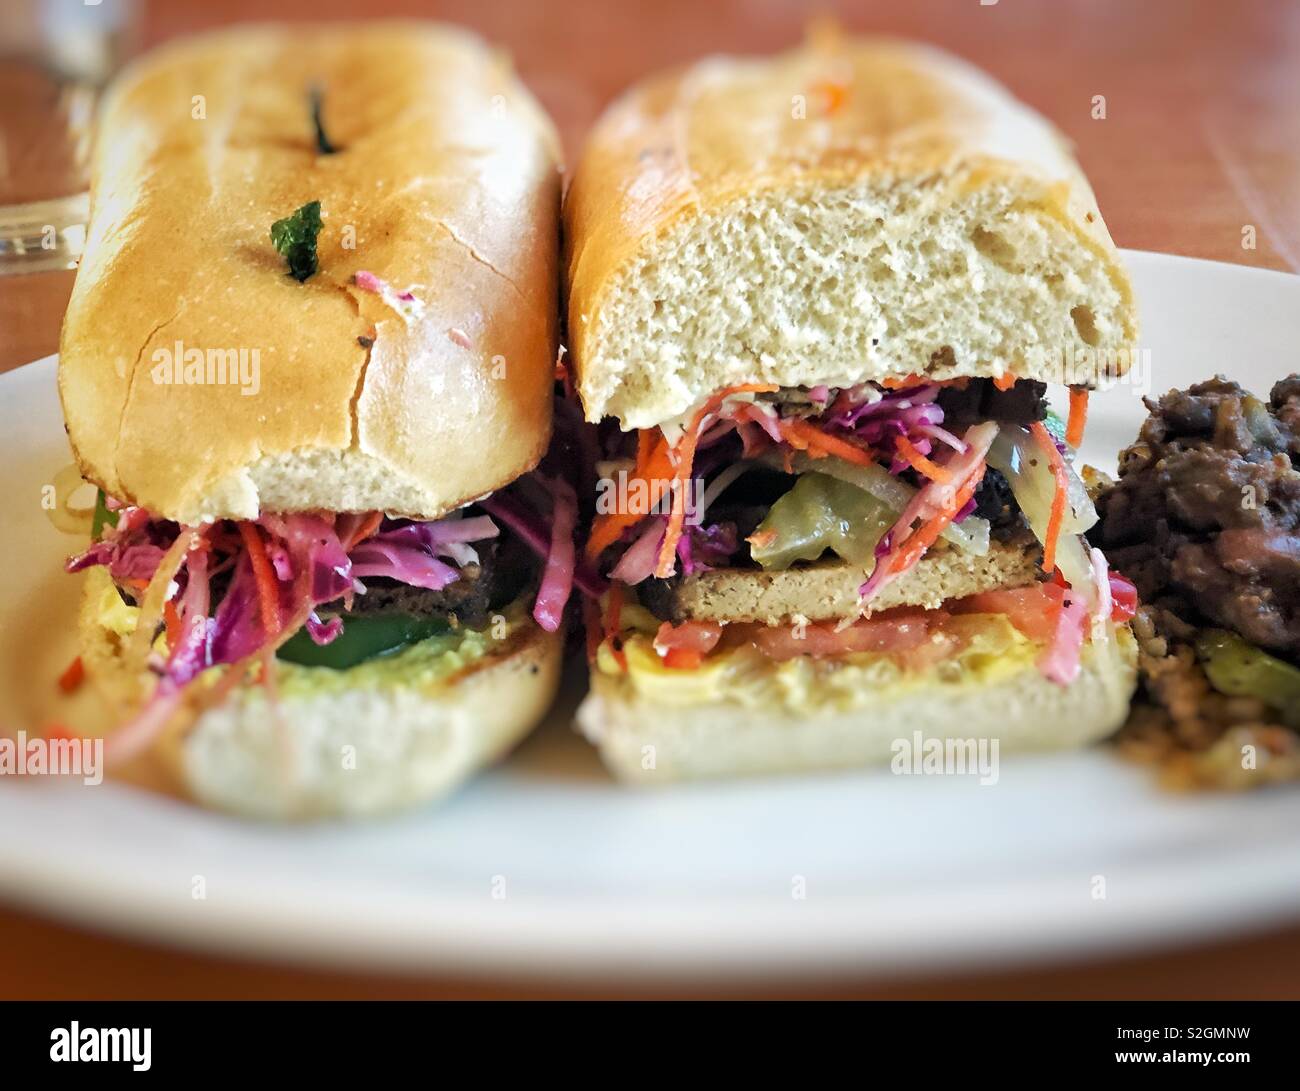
x: 820, y: 513
x: 362, y: 638
x: 102, y: 517
x: 1239, y: 669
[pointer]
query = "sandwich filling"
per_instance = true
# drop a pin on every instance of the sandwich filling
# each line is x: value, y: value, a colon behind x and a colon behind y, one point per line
x: 880, y: 520
x: 319, y: 589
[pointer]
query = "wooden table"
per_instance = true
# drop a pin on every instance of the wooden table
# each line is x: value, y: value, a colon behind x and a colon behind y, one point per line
x: 1200, y: 140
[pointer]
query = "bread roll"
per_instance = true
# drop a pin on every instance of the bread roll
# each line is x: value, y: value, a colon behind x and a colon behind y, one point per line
x: 645, y: 742
x: 358, y: 742
x: 853, y: 210
x: 445, y: 183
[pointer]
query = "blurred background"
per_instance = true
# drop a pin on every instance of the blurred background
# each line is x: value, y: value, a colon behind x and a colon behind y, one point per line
x: 1201, y: 133
x: 1200, y: 139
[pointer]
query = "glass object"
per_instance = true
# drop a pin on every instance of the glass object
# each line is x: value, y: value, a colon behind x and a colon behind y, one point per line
x: 55, y: 56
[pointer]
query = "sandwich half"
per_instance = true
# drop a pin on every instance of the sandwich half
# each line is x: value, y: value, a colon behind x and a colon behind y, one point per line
x: 821, y: 296
x: 309, y: 363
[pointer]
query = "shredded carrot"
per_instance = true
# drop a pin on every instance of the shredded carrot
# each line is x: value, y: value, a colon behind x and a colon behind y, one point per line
x: 928, y: 532
x: 818, y: 443
x: 685, y: 460
x: 833, y: 93
x: 653, y: 466
x: 268, y: 595
x: 920, y: 463
x: 761, y: 538
x: 1005, y: 381
x: 1057, y: 516
x: 793, y: 435
x: 70, y: 680
x: 906, y: 381
x: 172, y: 619
x: 366, y: 529
x: 1078, y: 416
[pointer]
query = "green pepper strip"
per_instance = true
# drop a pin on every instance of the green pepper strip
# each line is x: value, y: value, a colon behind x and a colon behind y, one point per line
x: 102, y: 517
x: 362, y: 638
x: 1239, y: 669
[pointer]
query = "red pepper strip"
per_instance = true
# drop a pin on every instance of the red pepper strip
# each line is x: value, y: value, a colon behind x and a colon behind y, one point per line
x: 172, y: 620
x: 683, y: 659
x: 1123, y: 597
x: 70, y: 680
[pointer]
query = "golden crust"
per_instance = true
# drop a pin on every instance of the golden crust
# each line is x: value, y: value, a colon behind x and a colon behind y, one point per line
x: 447, y: 183
x: 832, y: 113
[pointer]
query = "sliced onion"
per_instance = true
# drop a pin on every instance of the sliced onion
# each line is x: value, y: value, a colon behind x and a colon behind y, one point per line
x: 66, y: 518
x: 1016, y: 454
x: 719, y: 484
x: 1101, y: 577
x: 638, y: 563
x: 1018, y: 457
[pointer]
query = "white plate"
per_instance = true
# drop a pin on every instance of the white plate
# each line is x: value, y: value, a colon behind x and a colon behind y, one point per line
x: 898, y: 873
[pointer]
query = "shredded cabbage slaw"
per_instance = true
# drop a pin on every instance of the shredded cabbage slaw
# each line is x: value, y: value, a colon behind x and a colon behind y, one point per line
x: 279, y: 569
x: 890, y: 440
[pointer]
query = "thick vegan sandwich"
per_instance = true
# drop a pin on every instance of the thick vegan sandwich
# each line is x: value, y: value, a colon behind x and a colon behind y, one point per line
x: 821, y: 297
x: 309, y: 362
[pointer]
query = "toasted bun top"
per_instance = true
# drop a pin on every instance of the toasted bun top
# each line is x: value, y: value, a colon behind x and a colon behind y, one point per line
x: 852, y: 210
x: 446, y: 183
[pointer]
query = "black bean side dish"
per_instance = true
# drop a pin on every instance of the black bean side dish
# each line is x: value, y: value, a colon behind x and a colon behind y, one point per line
x: 1205, y: 519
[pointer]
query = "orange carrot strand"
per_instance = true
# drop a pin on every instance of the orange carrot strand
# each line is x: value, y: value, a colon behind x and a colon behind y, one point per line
x: 1057, y: 516
x: 920, y: 463
x: 681, y: 475
x: 268, y: 595
x: 1078, y: 416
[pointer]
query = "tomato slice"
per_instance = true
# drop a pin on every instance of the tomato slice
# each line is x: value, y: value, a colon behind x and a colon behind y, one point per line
x: 682, y: 659
x: 684, y: 646
x: 919, y: 637
x: 886, y: 634
x: 1032, y: 609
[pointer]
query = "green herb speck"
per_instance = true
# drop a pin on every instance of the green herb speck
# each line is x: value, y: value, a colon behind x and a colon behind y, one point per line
x: 295, y: 238
x: 323, y: 143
